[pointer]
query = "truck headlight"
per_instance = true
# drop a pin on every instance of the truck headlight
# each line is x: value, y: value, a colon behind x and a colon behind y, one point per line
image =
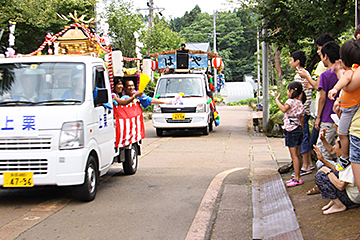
x: 156, y: 108
x: 200, y: 108
x: 72, y: 135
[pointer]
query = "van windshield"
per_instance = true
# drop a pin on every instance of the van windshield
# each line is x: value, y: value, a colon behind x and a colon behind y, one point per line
x: 42, y: 83
x: 190, y: 87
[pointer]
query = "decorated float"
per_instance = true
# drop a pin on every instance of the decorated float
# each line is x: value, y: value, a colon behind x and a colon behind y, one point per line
x: 80, y: 39
x: 185, y: 60
x: 185, y: 80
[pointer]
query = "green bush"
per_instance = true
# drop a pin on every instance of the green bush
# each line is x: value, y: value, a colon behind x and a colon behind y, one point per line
x: 245, y: 102
x: 220, y: 99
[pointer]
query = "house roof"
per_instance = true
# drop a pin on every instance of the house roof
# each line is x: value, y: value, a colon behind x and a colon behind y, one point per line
x: 199, y: 46
x: 196, y: 48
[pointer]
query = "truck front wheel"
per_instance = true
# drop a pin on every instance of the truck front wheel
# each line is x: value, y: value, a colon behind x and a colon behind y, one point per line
x: 211, y: 123
x: 131, y: 160
x: 206, y: 130
x: 87, y: 191
x: 159, y: 132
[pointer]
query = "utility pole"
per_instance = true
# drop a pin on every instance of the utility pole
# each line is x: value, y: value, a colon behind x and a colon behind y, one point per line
x: 215, y: 51
x: 150, y: 4
x: 265, y: 79
x: 258, y: 66
x: 151, y: 9
x: 356, y: 13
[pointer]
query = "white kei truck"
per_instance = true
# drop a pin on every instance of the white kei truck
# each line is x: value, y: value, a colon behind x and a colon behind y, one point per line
x: 57, y: 125
x: 191, y: 112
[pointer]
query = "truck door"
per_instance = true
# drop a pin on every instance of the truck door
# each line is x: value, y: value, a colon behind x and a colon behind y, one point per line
x: 104, y: 132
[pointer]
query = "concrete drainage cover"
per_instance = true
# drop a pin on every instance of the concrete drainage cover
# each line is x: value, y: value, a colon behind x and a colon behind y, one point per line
x: 274, y: 216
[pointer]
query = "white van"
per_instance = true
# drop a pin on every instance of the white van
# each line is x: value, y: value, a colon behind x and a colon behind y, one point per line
x: 191, y: 111
x: 52, y: 129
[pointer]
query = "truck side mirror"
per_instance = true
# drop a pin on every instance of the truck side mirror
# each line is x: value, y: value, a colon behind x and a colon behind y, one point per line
x: 101, y: 96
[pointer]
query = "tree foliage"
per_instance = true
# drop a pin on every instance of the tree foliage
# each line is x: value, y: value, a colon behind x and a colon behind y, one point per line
x: 236, y: 40
x: 123, y: 22
x: 160, y: 37
x: 35, y: 17
x: 189, y: 17
x: 294, y: 24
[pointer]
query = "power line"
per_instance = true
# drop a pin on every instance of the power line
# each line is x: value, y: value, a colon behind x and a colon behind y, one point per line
x: 216, y: 33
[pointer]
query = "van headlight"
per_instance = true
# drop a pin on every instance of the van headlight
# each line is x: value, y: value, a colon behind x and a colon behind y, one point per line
x: 72, y: 135
x: 156, y: 108
x: 200, y: 108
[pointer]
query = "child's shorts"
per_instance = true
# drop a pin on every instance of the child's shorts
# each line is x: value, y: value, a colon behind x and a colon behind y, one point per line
x: 294, y: 137
x: 345, y: 119
x: 354, y: 149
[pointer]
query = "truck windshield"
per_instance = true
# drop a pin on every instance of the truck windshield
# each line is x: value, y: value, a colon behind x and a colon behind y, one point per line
x: 42, y: 83
x: 189, y: 86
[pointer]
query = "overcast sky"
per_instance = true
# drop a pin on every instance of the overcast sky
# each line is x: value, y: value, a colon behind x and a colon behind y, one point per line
x: 179, y: 7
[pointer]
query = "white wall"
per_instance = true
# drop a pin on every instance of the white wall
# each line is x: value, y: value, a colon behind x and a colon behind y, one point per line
x: 235, y: 91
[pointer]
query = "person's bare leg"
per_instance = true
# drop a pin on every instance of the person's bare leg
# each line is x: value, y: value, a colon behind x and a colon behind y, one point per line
x: 307, y: 163
x: 345, y: 144
x: 338, y: 206
x: 327, y: 206
x: 295, y: 156
x: 356, y: 172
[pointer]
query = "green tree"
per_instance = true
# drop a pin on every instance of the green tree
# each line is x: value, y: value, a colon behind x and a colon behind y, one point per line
x: 296, y: 23
x: 236, y: 40
x: 35, y: 17
x: 189, y: 17
x: 160, y: 37
x: 123, y: 22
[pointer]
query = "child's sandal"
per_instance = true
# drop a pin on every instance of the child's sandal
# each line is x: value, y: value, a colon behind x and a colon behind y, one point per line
x: 294, y: 182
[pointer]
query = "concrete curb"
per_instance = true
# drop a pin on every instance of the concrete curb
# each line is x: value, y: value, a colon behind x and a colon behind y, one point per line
x: 202, y: 224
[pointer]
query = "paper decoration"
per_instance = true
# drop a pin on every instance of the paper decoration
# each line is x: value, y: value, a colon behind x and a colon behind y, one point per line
x: 144, y: 80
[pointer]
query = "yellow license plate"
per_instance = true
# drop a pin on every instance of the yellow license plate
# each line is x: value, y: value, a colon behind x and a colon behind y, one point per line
x: 18, y: 179
x: 178, y: 116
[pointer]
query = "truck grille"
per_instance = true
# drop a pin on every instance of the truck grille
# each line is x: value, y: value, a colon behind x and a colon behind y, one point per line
x: 25, y: 143
x: 186, y: 120
x: 37, y: 166
x: 178, y: 110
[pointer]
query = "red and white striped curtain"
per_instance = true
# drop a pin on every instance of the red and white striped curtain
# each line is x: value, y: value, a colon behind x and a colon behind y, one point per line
x: 129, y: 123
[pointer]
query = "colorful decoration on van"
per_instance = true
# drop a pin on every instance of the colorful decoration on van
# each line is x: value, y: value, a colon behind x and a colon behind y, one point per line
x: 178, y: 99
x: 220, y: 82
x: 217, y: 118
x: 154, y: 65
x: 138, y: 45
x: 10, y: 51
x: 143, y: 82
x: 211, y: 85
x: 216, y: 62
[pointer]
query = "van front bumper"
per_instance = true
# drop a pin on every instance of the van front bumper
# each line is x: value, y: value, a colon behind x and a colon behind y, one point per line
x: 192, y: 120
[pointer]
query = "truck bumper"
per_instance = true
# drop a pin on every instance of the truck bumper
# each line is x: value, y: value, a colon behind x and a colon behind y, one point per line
x: 61, y: 168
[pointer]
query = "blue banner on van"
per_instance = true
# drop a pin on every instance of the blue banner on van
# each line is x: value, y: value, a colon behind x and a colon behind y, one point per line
x: 195, y: 61
x: 167, y: 60
x: 198, y: 61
